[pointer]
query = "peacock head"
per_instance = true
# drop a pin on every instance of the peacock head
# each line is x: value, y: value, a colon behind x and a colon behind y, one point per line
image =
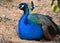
x: 22, y: 6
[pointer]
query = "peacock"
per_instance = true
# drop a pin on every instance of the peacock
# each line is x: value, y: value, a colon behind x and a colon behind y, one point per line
x: 35, y: 26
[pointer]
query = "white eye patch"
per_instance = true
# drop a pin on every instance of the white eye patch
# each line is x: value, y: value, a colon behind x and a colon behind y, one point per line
x: 22, y: 6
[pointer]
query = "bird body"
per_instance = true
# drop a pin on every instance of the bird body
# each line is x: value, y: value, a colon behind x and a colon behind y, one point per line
x: 34, y: 26
x: 27, y: 29
x: 30, y: 31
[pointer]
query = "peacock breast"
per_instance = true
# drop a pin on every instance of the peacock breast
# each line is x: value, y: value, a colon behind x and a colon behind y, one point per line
x: 30, y: 31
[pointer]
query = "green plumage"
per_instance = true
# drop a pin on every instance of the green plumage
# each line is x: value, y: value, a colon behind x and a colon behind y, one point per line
x: 49, y: 27
x: 40, y: 19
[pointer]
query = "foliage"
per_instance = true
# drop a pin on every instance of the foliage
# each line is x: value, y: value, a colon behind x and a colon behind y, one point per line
x: 54, y: 7
x: 59, y: 3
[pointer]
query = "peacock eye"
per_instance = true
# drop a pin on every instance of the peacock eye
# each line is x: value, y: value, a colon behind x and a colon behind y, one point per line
x: 22, y: 6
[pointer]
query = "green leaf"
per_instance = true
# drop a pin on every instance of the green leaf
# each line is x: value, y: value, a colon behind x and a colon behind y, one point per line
x: 58, y: 3
x: 52, y: 2
x: 55, y: 8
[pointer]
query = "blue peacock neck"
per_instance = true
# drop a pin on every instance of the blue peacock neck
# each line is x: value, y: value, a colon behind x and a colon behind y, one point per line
x: 26, y: 11
x: 25, y: 15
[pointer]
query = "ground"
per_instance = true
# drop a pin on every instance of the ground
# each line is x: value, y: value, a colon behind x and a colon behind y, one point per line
x: 10, y: 16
